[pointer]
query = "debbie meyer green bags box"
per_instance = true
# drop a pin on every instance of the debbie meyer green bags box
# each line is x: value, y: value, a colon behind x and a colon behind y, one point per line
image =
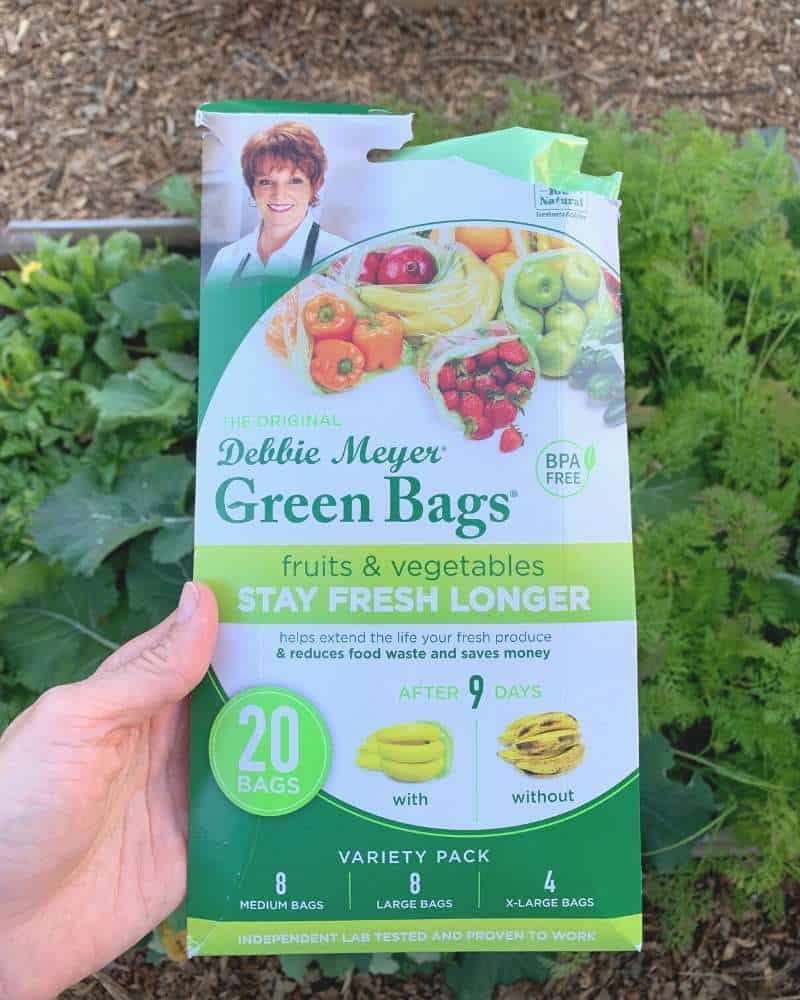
x: 419, y: 731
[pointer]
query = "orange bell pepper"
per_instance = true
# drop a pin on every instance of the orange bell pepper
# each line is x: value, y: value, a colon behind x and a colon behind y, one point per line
x: 380, y: 338
x: 327, y: 318
x: 336, y: 365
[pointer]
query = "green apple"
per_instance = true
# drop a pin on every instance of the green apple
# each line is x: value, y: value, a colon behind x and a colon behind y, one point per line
x: 539, y: 283
x: 527, y: 320
x: 566, y: 319
x: 557, y: 354
x: 581, y: 276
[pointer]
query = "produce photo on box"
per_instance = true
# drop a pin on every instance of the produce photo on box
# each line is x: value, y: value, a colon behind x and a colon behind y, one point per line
x: 413, y: 508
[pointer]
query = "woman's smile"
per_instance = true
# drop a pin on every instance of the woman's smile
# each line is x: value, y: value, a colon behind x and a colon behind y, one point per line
x: 282, y: 194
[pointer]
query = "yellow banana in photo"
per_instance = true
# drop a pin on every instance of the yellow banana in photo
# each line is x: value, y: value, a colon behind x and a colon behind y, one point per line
x: 408, y: 751
x: 412, y: 753
x: 543, y: 745
x: 559, y: 764
x: 408, y: 732
x: 548, y: 743
x: 530, y: 725
x: 413, y: 772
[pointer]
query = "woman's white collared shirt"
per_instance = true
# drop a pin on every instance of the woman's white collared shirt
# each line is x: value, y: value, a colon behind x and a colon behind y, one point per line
x: 241, y: 258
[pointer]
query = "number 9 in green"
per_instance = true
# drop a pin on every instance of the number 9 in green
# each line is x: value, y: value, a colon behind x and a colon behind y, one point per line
x: 476, y: 689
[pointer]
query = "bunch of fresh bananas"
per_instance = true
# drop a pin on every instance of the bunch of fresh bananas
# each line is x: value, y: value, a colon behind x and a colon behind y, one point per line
x: 409, y: 751
x: 467, y: 291
x: 545, y: 744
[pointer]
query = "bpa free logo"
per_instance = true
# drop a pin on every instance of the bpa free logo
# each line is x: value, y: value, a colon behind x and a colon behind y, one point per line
x: 563, y: 467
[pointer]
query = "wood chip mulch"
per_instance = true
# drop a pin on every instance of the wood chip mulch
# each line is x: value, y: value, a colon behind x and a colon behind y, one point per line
x: 97, y: 99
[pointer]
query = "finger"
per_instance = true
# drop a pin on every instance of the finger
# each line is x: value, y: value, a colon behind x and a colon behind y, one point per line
x: 158, y: 668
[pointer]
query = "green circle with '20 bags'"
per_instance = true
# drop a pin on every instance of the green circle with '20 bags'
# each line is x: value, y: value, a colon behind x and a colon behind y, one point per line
x: 270, y: 751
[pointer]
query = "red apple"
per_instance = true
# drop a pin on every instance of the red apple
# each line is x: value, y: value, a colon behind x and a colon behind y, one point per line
x: 407, y: 265
x: 369, y: 268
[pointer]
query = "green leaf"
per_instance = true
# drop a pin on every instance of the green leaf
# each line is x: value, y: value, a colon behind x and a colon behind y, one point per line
x: 671, y: 811
x: 148, y: 392
x: 79, y: 524
x: 294, y: 966
x: 332, y: 966
x: 110, y: 349
x: 120, y: 255
x: 382, y: 964
x: 590, y: 457
x: 58, y: 636
x: 24, y: 580
x: 185, y: 366
x: 154, y: 587
x: 474, y: 976
x: 175, y: 281
x: 173, y: 541
x: 664, y: 494
x: 788, y: 586
x: 177, y: 195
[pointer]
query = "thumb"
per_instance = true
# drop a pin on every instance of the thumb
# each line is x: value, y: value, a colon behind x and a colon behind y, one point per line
x: 159, y: 667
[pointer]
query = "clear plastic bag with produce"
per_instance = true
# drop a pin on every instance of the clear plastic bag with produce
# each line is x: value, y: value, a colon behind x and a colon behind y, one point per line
x: 481, y: 380
x: 560, y: 300
x: 432, y: 287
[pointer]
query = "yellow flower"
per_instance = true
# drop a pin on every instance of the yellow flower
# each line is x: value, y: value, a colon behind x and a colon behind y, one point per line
x: 30, y: 268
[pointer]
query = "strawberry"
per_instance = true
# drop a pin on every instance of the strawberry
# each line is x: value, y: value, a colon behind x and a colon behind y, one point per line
x: 468, y: 365
x: 464, y: 383
x: 516, y: 392
x: 499, y: 373
x: 451, y: 399
x: 486, y: 359
x: 513, y: 352
x: 526, y: 377
x: 470, y: 406
x: 511, y: 439
x: 484, y: 384
x: 447, y: 377
x: 478, y: 429
x: 500, y: 412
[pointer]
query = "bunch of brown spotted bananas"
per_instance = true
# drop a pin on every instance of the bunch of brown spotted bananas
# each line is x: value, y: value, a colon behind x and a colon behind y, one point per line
x: 544, y: 745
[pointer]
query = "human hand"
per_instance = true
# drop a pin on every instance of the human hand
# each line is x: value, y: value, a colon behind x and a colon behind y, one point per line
x: 93, y: 807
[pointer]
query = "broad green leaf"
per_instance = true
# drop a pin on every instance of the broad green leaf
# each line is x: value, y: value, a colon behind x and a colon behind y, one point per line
x: 177, y: 195
x: 332, y: 966
x: 148, y: 392
x: 174, y: 541
x: 120, y: 255
x: 382, y: 964
x: 474, y: 975
x: 183, y: 365
x: 110, y: 349
x: 56, y: 319
x: 664, y: 494
x: 59, y: 635
x: 24, y: 580
x: 175, y: 281
x: 79, y: 524
x: 154, y: 587
x: 672, y: 812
